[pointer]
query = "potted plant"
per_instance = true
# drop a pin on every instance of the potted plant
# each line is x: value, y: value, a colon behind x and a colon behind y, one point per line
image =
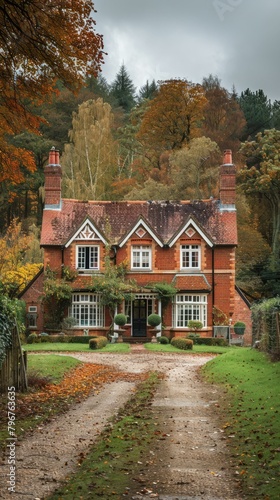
x: 239, y: 328
x: 120, y: 320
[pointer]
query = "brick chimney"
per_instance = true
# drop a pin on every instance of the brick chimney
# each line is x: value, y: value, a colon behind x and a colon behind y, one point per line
x: 227, y: 182
x: 53, y: 176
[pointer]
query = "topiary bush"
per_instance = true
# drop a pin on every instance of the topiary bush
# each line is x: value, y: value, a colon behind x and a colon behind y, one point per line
x: 120, y: 319
x: 33, y: 338
x: 163, y: 340
x: 154, y: 320
x: 98, y: 343
x: 181, y: 343
x: 195, y: 324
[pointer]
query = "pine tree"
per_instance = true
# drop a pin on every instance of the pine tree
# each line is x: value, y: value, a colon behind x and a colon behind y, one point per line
x: 123, y: 90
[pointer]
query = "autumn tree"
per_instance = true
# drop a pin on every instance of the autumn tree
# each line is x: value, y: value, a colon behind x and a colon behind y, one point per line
x: 20, y: 258
x: 260, y: 180
x: 89, y: 160
x: 172, y: 117
x: 224, y: 120
x: 40, y: 42
x: 195, y: 169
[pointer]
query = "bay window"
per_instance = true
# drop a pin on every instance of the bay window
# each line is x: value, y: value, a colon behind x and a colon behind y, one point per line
x: 87, y: 309
x: 188, y: 307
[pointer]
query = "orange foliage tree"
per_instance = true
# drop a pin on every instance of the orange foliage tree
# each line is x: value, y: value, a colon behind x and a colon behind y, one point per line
x: 172, y: 117
x: 40, y: 41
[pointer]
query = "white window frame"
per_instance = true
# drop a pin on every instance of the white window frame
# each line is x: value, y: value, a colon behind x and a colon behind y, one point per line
x: 87, y: 310
x: 90, y: 259
x: 187, y: 306
x: 138, y: 257
x: 194, y: 257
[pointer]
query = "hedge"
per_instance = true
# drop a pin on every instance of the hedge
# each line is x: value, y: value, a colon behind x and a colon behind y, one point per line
x: 98, y: 342
x: 182, y: 343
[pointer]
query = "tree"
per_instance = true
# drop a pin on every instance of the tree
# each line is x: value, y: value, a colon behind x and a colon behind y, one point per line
x: 260, y: 178
x: 195, y: 169
x: 123, y: 90
x: 147, y: 91
x: 257, y: 111
x: 20, y: 259
x: 172, y: 117
x: 89, y: 160
x: 40, y: 42
x: 224, y: 120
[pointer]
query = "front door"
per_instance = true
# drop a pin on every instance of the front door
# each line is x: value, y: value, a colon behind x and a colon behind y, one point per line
x: 139, y: 318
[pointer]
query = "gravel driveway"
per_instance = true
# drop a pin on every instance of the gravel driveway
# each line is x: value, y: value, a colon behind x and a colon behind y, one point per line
x: 189, y: 462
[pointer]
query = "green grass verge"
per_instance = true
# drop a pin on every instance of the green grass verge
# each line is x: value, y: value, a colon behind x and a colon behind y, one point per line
x: 251, y: 417
x: 107, y: 470
x: 73, y: 347
x: 52, y: 366
x: 157, y: 347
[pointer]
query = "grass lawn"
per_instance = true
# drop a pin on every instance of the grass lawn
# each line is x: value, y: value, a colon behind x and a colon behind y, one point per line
x: 251, y: 412
x: 74, y: 347
x: 157, y: 347
x: 53, y: 367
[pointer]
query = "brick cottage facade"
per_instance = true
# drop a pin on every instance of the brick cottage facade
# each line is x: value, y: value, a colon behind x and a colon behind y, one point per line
x: 189, y: 244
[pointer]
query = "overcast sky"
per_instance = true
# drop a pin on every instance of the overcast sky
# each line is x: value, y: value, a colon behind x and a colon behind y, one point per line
x: 236, y: 40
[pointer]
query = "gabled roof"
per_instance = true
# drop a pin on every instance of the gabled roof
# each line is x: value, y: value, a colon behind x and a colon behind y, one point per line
x: 191, y: 222
x: 87, y: 231
x: 141, y: 223
x: 116, y: 220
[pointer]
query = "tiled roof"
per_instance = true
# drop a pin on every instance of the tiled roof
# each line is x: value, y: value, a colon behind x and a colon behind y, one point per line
x: 193, y: 282
x: 164, y: 217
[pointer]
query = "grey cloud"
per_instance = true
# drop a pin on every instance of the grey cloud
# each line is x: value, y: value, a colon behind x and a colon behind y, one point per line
x: 238, y: 40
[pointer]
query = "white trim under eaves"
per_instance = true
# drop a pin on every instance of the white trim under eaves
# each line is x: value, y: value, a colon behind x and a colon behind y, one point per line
x: 192, y: 223
x: 81, y: 228
x: 141, y: 222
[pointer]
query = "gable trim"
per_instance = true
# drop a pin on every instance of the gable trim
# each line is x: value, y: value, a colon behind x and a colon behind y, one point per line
x: 141, y: 222
x: 86, y: 222
x: 190, y: 222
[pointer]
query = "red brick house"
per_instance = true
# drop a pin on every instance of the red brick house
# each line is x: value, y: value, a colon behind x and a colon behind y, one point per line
x: 190, y: 244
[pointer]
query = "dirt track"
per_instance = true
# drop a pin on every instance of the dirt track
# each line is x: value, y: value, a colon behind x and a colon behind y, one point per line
x: 190, y: 462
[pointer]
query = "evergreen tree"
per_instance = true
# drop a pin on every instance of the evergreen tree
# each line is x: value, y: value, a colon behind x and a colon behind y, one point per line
x: 148, y: 91
x: 257, y: 110
x: 123, y: 90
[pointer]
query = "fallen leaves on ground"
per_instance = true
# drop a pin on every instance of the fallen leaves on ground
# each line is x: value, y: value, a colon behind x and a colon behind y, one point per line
x: 76, y: 385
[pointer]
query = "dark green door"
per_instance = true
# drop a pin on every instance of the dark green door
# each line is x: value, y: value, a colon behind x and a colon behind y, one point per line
x: 139, y: 320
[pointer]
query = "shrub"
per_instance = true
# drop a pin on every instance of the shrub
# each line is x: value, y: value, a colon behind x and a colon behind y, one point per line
x: 33, y: 338
x: 212, y: 341
x: 98, y: 343
x: 194, y: 337
x: 58, y: 338
x: 163, y: 340
x: 194, y: 324
x: 44, y: 337
x: 181, y: 343
x: 154, y: 320
x: 239, y: 327
x: 80, y: 339
x: 120, y: 319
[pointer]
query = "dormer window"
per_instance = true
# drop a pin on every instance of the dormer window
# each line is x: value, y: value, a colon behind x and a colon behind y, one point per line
x: 141, y: 257
x: 190, y: 257
x: 87, y: 258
